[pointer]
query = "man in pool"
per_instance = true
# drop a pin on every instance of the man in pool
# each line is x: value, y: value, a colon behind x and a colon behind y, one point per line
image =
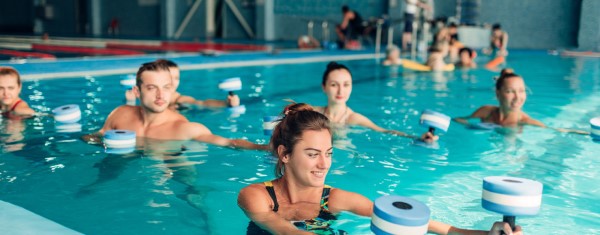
x: 178, y: 100
x: 10, y: 88
x: 153, y: 118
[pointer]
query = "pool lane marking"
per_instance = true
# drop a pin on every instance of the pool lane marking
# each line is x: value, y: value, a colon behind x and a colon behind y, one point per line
x: 47, y: 75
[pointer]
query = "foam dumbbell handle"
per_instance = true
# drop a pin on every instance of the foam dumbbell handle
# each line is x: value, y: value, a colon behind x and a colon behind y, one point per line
x: 510, y: 220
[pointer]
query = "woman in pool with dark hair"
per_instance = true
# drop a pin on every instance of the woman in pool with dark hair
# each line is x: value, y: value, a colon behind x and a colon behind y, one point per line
x: 298, y: 201
x: 337, y: 85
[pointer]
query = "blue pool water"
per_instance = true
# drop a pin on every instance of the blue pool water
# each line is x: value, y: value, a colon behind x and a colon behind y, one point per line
x: 160, y: 189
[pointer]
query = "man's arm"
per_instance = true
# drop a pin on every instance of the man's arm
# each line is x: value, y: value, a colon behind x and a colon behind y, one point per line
x: 96, y: 137
x: 203, y: 134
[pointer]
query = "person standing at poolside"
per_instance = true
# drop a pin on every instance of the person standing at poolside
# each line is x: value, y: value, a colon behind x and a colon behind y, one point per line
x: 337, y: 85
x: 178, y: 100
x: 350, y: 28
x: 298, y: 198
x: 153, y: 119
x: 10, y: 89
x: 409, y: 17
x: 511, y: 95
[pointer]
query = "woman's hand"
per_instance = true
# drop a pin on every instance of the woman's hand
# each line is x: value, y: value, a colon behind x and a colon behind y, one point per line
x: 500, y: 227
x: 428, y: 137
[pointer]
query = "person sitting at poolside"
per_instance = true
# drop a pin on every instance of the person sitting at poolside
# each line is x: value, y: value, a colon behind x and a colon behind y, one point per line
x: 178, y: 100
x: 510, y: 92
x: 498, y: 42
x: 307, y: 42
x: 467, y: 56
x: 392, y: 56
x: 337, y: 85
x: 153, y: 119
x: 10, y: 88
x: 298, y: 198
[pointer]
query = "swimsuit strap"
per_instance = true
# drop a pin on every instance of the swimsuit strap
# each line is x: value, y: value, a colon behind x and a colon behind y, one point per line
x: 325, y: 198
x: 15, y: 105
x: 271, y: 190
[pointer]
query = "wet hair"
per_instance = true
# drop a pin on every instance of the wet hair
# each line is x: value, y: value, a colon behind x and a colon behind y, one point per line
x: 469, y: 50
x: 10, y: 71
x: 169, y: 63
x: 505, y: 74
x: 496, y: 26
x: 154, y: 66
x: 452, y: 25
x: 332, y: 66
x: 297, y: 118
x: 345, y: 8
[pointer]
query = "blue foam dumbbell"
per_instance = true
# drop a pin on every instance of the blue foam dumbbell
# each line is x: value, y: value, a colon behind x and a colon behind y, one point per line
x: 230, y: 84
x: 119, y: 141
x: 511, y: 197
x: 435, y: 121
x: 269, y: 123
x: 67, y: 113
x: 399, y: 215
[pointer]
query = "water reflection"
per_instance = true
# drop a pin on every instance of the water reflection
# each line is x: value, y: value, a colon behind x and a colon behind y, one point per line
x: 168, y: 161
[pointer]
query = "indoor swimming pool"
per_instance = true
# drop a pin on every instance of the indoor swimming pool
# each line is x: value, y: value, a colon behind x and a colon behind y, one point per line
x: 163, y: 188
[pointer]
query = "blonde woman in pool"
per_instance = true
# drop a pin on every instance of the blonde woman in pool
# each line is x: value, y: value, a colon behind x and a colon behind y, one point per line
x: 10, y: 88
x: 337, y: 85
x: 511, y: 95
x: 392, y: 56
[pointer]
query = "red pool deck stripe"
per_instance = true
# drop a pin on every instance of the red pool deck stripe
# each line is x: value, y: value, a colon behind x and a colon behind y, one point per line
x: 214, y: 46
x: 149, y: 47
x: 84, y: 50
x: 187, y: 46
x: 27, y: 54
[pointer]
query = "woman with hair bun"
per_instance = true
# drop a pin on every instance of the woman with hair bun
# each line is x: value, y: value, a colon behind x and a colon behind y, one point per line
x: 298, y: 201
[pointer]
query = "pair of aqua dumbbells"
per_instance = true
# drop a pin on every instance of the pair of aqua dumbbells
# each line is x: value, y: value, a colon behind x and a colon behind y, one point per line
x: 509, y: 196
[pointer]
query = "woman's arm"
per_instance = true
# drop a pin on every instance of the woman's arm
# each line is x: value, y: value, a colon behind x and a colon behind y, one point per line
x: 480, y: 113
x: 360, y: 120
x: 203, y: 134
x: 258, y: 206
x: 23, y: 109
x: 530, y: 121
x: 446, y: 229
x: 341, y: 200
x: 184, y: 99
